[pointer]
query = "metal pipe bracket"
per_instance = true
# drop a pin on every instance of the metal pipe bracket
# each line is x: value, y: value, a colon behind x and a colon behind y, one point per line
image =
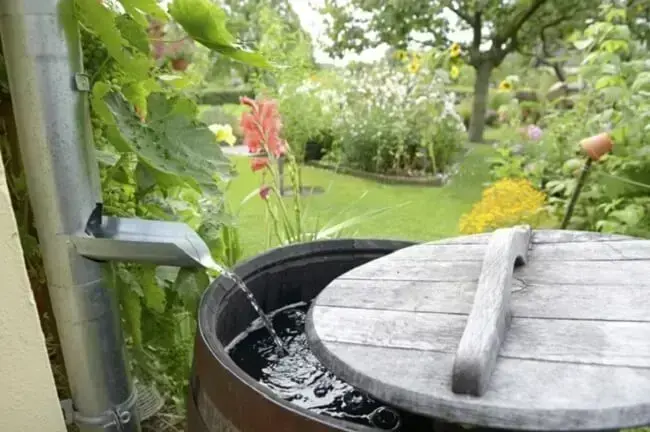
x: 118, y: 416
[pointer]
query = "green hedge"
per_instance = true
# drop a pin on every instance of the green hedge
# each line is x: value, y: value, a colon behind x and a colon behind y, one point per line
x: 225, y: 96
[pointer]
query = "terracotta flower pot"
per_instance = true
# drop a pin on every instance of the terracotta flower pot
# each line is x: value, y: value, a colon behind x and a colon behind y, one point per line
x: 597, y: 146
x: 180, y: 64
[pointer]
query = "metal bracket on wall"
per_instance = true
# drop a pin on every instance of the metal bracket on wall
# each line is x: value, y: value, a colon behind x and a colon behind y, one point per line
x: 119, y: 416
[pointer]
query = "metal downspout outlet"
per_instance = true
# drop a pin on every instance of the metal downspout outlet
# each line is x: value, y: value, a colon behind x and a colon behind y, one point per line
x: 44, y: 63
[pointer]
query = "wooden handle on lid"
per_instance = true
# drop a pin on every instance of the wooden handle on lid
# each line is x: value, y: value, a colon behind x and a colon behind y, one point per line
x: 490, y: 315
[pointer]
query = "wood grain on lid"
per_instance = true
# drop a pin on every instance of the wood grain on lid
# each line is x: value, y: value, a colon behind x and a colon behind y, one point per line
x: 576, y: 355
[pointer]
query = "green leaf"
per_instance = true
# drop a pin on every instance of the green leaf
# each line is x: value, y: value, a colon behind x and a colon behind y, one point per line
x: 190, y: 285
x: 615, y: 45
x: 134, y: 32
x: 103, y: 22
x: 154, y: 295
x: 615, y: 13
x: 144, y: 178
x: 242, y: 55
x: 129, y: 292
x: 205, y: 22
x: 211, y: 229
x: 128, y: 279
x: 100, y: 90
x: 642, y: 81
x: 132, y: 312
x: 171, y: 143
x: 608, y: 227
x: 609, y: 81
x: 137, y: 92
x: 139, y: 9
x: 630, y: 215
x: 106, y: 158
x: 583, y: 44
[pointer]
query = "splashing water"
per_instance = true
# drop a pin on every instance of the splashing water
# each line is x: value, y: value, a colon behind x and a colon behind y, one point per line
x: 241, y: 285
x: 299, y: 377
x: 251, y: 298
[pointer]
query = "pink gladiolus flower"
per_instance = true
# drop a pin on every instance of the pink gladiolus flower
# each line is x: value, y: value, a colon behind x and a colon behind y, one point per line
x: 261, y: 127
x: 259, y: 163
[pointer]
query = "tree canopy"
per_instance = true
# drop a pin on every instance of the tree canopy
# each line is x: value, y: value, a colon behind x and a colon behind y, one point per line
x: 497, y: 28
x: 247, y: 21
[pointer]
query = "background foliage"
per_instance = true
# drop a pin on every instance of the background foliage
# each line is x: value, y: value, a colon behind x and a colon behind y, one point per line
x: 398, y: 121
x: 157, y: 161
x: 615, y: 198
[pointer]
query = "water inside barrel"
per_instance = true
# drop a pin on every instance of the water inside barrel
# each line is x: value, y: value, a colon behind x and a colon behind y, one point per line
x: 300, y: 378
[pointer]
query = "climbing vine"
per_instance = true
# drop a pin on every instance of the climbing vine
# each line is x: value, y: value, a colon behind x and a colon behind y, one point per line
x: 157, y: 161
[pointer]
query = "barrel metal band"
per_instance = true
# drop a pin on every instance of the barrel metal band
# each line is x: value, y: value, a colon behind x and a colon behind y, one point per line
x: 117, y: 417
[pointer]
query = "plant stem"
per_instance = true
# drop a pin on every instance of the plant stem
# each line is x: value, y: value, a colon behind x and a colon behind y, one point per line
x: 576, y: 193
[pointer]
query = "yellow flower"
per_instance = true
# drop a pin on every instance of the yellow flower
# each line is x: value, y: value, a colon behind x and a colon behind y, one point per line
x: 505, y: 86
x: 401, y: 55
x: 455, y: 50
x: 506, y: 203
x: 454, y: 73
x: 414, y: 66
x: 223, y: 133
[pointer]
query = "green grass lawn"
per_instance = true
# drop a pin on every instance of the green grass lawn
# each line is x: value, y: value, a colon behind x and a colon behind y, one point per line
x: 414, y: 212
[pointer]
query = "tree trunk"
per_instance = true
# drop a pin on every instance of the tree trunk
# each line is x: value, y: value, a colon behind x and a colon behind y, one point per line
x: 479, y: 108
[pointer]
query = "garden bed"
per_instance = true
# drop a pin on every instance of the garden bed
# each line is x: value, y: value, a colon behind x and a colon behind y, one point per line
x: 435, y: 181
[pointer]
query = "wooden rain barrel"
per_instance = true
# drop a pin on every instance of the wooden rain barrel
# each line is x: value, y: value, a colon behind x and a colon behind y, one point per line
x: 222, y: 397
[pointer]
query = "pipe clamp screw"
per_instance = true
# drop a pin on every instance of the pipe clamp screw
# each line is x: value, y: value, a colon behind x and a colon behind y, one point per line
x: 117, y: 416
x: 82, y: 82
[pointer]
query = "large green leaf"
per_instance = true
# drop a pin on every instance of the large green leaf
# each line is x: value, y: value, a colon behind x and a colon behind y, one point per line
x: 190, y: 285
x: 171, y: 142
x: 134, y: 32
x: 103, y: 22
x: 205, y: 22
x: 138, y: 9
x: 154, y: 295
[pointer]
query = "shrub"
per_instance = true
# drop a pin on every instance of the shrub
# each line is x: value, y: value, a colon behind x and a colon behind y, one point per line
x: 308, y: 109
x: 615, y: 197
x: 301, y: 91
x: 223, y: 96
x: 498, y: 99
x: 397, y: 122
x: 464, y: 109
x: 506, y: 203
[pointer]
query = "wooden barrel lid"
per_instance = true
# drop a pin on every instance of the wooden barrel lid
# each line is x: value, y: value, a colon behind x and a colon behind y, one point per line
x: 449, y: 330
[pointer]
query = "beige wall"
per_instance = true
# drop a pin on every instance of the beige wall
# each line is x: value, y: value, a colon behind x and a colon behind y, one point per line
x: 28, y: 399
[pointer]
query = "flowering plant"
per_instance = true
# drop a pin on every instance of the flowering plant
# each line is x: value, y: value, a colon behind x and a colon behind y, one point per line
x: 223, y: 133
x: 615, y: 80
x: 262, y: 128
x: 397, y: 122
x: 506, y: 203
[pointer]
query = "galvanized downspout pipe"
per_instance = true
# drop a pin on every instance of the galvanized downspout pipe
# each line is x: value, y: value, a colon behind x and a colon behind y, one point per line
x: 41, y: 45
x: 43, y: 55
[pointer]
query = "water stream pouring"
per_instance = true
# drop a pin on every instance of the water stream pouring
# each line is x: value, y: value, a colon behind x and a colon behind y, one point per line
x: 156, y: 242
